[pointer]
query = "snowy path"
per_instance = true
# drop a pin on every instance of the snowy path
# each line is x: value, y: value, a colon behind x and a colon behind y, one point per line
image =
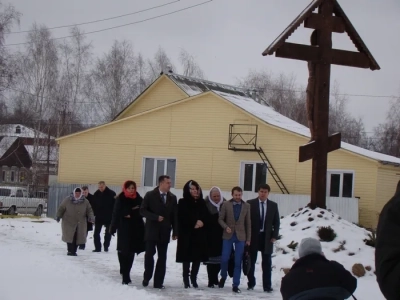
x: 35, y: 266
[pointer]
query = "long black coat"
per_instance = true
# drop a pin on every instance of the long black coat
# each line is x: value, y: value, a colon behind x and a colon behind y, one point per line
x: 214, y: 231
x: 90, y: 198
x: 192, y: 243
x: 387, y: 248
x: 152, y: 207
x: 103, y: 205
x: 271, y: 226
x: 130, y: 230
x: 315, y: 277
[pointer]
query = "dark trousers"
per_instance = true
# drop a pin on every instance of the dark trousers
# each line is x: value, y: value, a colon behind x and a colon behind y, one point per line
x: 96, y: 236
x: 266, y: 264
x: 161, y: 265
x: 125, y: 263
x: 72, y: 247
x: 212, y: 272
x: 193, y: 273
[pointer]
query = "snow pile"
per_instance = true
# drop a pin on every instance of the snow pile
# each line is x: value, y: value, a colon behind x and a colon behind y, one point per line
x: 348, y: 246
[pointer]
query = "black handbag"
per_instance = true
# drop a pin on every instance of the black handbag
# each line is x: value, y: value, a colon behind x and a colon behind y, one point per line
x: 246, y: 263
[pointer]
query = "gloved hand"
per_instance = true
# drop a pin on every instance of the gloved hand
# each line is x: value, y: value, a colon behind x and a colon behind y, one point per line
x: 58, y: 220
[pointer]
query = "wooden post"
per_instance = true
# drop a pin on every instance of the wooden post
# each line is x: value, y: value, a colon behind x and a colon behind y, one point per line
x: 330, y: 18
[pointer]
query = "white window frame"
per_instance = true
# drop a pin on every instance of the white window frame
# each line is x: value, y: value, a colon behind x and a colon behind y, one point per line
x: 340, y: 172
x: 241, y: 173
x: 155, y: 180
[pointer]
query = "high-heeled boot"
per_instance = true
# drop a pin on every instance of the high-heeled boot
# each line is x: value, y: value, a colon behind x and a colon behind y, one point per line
x: 185, y: 274
x: 193, y: 274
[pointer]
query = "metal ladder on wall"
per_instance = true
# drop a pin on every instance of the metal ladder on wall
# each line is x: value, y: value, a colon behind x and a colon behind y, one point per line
x: 271, y: 170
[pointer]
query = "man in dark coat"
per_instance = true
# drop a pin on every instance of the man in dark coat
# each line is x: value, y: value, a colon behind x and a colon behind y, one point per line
x: 103, y: 205
x: 387, y: 248
x: 314, y: 277
x: 265, y: 224
x: 160, y: 209
x: 90, y: 198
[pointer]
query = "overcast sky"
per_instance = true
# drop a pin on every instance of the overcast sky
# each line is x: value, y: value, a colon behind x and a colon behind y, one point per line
x: 227, y: 38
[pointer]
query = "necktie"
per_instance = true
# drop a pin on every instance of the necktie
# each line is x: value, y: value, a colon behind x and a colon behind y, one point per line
x: 164, y: 197
x: 262, y: 216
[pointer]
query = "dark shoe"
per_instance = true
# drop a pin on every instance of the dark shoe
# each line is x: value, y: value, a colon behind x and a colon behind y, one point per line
x: 72, y: 254
x: 145, y: 283
x: 82, y: 247
x: 96, y: 250
x: 268, y: 290
x: 105, y: 249
x: 250, y: 288
x: 236, y: 290
x: 126, y: 279
x: 194, y: 282
x: 221, y: 283
x: 160, y: 287
x: 211, y: 285
x: 186, y: 282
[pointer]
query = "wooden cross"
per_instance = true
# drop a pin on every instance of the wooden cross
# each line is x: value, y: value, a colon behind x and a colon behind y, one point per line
x: 329, y: 18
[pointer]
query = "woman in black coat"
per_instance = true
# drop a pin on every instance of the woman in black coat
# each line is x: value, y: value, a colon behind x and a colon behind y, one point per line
x: 128, y: 222
x: 214, y: 235
x: 192, y: 237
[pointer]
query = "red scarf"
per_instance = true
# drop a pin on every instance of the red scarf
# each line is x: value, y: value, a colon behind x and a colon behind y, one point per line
x: 128, y: 194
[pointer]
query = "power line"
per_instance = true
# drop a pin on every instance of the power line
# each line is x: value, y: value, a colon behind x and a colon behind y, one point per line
x: 101, y: 20
x: 123, y: 25
x: 265, y: 89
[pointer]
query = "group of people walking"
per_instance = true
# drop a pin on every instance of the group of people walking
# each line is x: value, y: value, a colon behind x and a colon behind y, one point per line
x: 208, y: 231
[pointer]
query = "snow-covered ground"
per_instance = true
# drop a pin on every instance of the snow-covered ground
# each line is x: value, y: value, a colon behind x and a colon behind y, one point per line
x: 34, y: 265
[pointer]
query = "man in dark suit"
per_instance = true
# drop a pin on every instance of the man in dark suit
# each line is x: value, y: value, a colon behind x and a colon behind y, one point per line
x: 265, y: 224
x: 90, y: 198
x: 103, y: 206
x: 160, y: 208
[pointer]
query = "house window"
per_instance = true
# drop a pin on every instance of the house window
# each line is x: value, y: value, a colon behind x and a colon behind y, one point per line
x: 3, y: 176
x: 18, y: 129
x: 155, y: 167
x: 21, y: 176
x: 12, y: 176
x: 252, y: 174
x: 340, y: 183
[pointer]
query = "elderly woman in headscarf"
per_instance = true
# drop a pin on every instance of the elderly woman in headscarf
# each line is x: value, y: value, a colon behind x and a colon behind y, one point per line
x: 214, y: 235
x: 129, y: 225
x: 75, y: 211
x: 192, y: 237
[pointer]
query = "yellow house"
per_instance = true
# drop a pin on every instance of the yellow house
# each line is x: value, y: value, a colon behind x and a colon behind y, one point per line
x: 218, y: 135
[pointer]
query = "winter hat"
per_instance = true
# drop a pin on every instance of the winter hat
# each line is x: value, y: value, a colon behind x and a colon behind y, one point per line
x: 309, y: 246
x: 77, y: 190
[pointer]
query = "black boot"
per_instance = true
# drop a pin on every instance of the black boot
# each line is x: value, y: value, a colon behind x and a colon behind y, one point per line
x: 185, y: 274
x: 193, y: 274
x: 121, y: 262
x: 82, y: 247
x: 129, y: 263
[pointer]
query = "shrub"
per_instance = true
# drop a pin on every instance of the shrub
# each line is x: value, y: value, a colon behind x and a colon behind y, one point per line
x: 371, y: 239
x: 326, y: 234
x: 341, y: 247
x: 293, y: 245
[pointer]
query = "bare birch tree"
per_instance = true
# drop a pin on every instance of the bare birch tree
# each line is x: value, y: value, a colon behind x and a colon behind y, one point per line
x: 386, y: 138
x: 37, y: 81
x: 74, y: 61
x: 113, y: 82
x: 160, y: 63
x: 189, y: 65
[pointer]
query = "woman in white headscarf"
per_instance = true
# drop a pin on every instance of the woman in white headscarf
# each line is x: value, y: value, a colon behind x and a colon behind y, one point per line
x: 75, y: 211
x: 214, y: 235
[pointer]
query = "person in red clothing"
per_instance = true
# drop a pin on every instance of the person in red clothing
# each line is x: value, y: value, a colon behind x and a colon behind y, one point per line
x: 313, y: 276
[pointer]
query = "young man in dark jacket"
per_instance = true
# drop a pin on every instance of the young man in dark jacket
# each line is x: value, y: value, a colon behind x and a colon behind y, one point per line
x: 103, y: 206
x: 90, y: 198
x: 265, y: 224
x: 160, y: 208
x: 314, y: 277
x: 387, y: 248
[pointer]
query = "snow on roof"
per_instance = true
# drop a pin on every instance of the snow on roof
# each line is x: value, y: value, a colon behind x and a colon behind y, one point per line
x: 18, y: 130
x: 243, y: 99
x: 41, y: 153
x: 5, y: 144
